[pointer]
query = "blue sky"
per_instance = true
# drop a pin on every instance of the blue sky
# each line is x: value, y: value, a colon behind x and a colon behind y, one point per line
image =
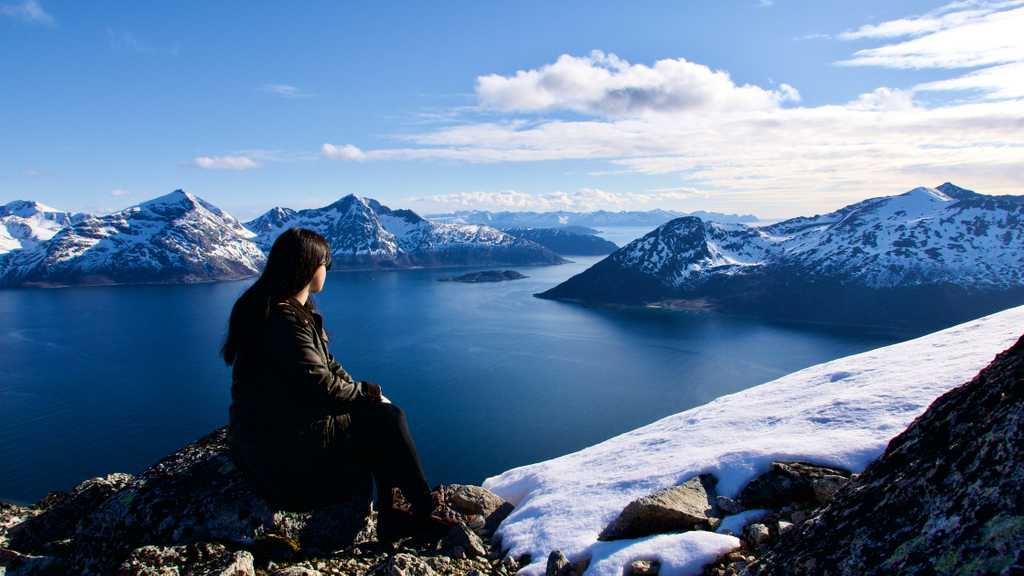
x: 776, y: 108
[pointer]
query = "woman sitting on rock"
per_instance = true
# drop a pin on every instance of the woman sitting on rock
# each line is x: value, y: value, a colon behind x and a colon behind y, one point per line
x: 301, y: 428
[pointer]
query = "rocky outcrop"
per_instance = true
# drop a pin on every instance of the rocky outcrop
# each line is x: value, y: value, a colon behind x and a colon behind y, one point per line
x: 945, y: 498
x: 677, y: 508
x: 788, y: 483
x: 195, y: 513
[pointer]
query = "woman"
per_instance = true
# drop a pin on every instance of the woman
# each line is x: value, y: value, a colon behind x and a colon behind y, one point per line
x: 301, y: 427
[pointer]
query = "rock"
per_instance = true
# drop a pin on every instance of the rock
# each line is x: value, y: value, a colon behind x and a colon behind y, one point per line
x: 13, y: 563
x: 469, y: 499
x: 756, y: 534
x: 59, y: 512
x: 682, y: 507
x: 944, y: 498
x: 12, y: 515
x: 404, y: 564
x: 784, y: 527
x: 798, y: 516
x: 296, y: 571
x: 206, y: 559
x: 198, y: 495
x: 787, y: 483
x: 479, y: 508
x: 728, y: 505
x: 557, y: 563
x: 471, y: 544
x: 644, y: 568
x: 510, y: 564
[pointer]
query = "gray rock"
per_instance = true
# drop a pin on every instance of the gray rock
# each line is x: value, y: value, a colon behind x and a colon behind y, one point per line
x: 469, y: 499
x: 59, y: 512
x: 557, y: 563
x: 757, y: 534
x: 788, y: 483
x: 682, y: 507
x: 784, y: 527
x: 644, y: 568
x: 13, y: 563
x: 728, y: 505
x: 482, y: 510
x: 203, y: 559
x: 198, y: 495
x: 296, y: 571
x: 404, y: 564
x: 465, y: 538
x: 12, y: 515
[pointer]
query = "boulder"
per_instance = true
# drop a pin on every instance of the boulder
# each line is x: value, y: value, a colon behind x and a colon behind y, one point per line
x: 197, y: 494
x: 944, y: 498
x: 557, y: 563
x: 799, y: 483
x: 203, y: 559
x: 684, y: 507
x: 11, y: 515
x: 471, y: 544
x: 58, y: 513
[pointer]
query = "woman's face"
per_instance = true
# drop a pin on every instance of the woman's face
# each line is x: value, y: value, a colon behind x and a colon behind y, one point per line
x: 317, y: 283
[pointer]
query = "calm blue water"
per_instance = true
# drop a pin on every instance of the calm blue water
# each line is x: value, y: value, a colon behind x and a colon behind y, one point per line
x: 97, y: 380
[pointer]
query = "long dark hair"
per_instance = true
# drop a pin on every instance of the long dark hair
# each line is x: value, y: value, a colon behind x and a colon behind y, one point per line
x: 293, y: 260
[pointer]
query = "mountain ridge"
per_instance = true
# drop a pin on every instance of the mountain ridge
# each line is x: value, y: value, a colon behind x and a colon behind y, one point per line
x: 940, y: 245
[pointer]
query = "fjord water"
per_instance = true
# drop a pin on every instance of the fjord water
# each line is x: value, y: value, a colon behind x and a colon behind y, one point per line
x: 104, y: 379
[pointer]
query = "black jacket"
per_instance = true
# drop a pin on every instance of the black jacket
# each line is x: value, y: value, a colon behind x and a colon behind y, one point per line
x: 289, y: 396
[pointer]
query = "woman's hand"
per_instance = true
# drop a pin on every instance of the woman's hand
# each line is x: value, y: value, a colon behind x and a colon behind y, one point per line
x: 372, y: 391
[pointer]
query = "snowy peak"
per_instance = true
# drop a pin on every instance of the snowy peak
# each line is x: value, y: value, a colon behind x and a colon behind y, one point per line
x: 26, y: 223
x: 954, y: 191
x: 27, y: 209
x: 177, y: 237
x: 365, y: 233
x: 927, y: 248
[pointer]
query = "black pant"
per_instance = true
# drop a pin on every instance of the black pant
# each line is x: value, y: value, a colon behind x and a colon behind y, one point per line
x: 378, y: 436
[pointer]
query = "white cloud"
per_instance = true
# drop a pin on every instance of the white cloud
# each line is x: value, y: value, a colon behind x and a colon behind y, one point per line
x: 119, y: 192
x: 29, y: 11
x: 342, y: 152
x: 580, y: 200
x: 225, y: 162
x: 994, y: 82
x: 959, y: 39
x: 606, y: 85
x: 884, y: 98
x: 285, y: 90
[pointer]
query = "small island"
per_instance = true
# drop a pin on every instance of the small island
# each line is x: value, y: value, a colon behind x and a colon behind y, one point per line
x: 485, y: 276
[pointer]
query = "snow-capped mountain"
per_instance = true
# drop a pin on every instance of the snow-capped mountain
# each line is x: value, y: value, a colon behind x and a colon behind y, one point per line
x: 919, y: 253
x: 365, y: 233
x: 24, y: 224
x: 177, y: 237
x: 565, y: 218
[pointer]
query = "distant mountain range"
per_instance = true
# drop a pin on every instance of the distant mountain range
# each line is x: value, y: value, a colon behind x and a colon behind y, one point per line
x: 173, y: 238
x: 591, y: 219
x: 928, y: 257
x: 180, y: 238
x: 365, y: 233
x: 567, y: 240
